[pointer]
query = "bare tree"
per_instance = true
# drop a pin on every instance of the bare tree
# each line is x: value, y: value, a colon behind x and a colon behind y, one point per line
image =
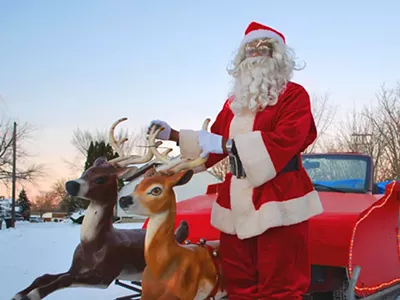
x: 58, y: 190
x: 385, y: 119
x: 358, y: 134
x: 81, y: 140
x: 324, y: 113
x: 51, y: 199
x: 45, y: 202
x: 375, y: 131
x: 24, y: 171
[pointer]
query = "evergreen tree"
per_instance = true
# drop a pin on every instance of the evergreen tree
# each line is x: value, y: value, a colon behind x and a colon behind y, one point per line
x: 71, y: 204
x: 96, y: 150
x: 25, y: 205
x: 89, y: 156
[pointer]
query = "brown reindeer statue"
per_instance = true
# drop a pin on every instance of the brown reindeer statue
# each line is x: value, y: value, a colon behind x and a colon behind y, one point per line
x: 185, y: 272
x: 104, y: 253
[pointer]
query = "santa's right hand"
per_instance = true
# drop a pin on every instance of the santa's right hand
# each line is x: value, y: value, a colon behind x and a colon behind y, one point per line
x: 163, y: 135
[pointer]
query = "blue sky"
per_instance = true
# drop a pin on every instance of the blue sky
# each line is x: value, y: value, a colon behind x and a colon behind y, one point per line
x: 69, y: 64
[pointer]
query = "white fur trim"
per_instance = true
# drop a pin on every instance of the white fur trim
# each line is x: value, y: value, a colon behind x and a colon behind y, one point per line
x: 242, y: 123
x: 259, y: 34
x: 245, y: 221
x: 189, y: 147
x: 255, y: 158
x: 188, y: 144
x: 221, y: 218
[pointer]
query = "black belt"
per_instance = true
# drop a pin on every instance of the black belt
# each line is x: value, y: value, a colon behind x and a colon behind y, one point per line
x: 292, y: 165
x: 236, y: 166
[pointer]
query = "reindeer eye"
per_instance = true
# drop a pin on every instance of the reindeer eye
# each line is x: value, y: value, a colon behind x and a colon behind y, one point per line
x: 156, y: 191
x: 100, y: 180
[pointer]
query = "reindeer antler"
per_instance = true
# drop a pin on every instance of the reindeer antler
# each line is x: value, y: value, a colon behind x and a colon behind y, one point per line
x: 124, y: 160
x: 116, y: 145
x: 183, y: 164
x: 161, y: 157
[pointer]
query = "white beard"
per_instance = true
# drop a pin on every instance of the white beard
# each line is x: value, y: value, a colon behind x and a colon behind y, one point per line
x: 258, y: 81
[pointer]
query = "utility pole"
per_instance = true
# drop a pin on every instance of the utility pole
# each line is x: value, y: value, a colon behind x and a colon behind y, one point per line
x: 14, y: 175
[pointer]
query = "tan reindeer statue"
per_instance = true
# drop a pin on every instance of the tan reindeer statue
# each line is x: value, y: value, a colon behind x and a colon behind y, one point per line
x: 104, y: 253
x: 185, y: 272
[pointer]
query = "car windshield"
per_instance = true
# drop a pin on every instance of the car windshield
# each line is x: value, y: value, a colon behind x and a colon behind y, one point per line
x: 341, y: 173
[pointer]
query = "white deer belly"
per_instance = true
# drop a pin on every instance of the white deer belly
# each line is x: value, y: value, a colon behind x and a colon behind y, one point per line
x: 130, y: 275
x: 90, y: 222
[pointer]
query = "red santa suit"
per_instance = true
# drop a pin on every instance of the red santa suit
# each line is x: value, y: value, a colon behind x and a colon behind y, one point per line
x: 248, y: 207
x: 263, y: 217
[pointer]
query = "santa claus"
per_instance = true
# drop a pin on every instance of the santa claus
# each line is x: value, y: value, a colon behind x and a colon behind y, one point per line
x: 264, y: 204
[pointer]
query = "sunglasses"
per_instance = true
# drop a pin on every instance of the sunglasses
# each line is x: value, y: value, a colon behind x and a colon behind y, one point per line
x: 258, y: 48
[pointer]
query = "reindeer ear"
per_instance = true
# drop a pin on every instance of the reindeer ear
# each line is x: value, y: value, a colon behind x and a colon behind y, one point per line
x: 100, y: 161
x: 125, y: 173
x: 182, y: 177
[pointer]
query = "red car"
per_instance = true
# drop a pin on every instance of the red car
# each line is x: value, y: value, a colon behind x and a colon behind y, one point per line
x: 354, y: 243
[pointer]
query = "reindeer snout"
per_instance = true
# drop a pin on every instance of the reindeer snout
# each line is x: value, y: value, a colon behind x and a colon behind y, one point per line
x: 125, y: 201
x: 72, y: 187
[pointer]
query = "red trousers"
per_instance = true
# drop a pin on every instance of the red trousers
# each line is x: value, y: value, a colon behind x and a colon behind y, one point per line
x: 273, y: 265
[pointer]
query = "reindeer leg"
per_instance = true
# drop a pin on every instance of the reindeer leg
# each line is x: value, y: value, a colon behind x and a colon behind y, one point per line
x: 90, y: 278
x: 44, y: 290
x: 187, y: 282
x: 152, y: 289
x: 42, y: 280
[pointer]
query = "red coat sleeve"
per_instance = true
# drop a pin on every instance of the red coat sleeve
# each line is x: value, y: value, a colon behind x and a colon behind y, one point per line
x: 264, y: 154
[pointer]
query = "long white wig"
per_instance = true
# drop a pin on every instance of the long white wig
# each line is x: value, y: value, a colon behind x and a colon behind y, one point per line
x: 258, y: 81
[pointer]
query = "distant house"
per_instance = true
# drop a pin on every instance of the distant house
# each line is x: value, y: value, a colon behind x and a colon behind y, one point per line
x: 5, y: 208
x: 195, y: 187
x: 54, y: 216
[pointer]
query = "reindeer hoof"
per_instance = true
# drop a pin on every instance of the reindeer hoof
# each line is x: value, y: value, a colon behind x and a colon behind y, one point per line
x: 33, y: 295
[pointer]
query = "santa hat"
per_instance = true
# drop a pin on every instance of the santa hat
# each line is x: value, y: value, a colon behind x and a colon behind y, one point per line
x: 258, y: 31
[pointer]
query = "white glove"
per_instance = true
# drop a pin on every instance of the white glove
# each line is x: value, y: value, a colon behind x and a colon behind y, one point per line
x: 163, y: 135
x: 209, y: 143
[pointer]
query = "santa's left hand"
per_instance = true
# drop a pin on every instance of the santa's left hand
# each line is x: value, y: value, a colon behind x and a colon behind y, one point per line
x: 209, y: 143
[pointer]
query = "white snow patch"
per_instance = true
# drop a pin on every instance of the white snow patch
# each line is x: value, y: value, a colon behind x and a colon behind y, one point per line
x: 33, y: 249
x: 78, y: 213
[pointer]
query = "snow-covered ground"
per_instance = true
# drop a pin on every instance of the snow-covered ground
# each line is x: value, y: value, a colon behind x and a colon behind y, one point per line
x: 33, y: 249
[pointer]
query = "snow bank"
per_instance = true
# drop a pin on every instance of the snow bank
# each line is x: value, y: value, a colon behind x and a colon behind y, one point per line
x: 33, y: 249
